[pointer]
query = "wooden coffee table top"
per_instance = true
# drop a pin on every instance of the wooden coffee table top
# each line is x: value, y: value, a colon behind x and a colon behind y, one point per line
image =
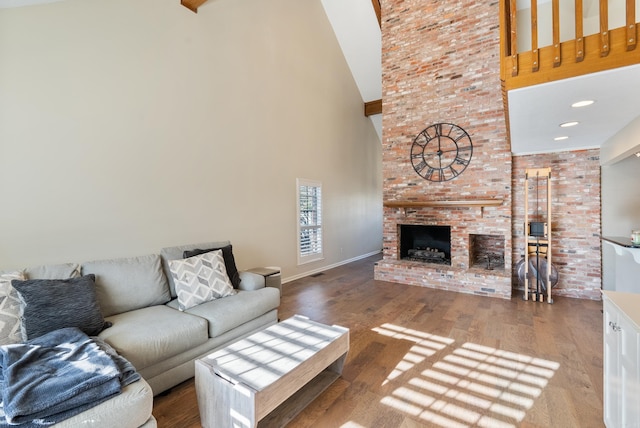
x: 261, y: 359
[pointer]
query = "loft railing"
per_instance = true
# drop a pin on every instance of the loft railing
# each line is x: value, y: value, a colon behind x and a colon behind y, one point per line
x: 548, y: 40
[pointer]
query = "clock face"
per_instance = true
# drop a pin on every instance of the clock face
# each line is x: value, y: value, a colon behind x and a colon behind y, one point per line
x: 441, y: 152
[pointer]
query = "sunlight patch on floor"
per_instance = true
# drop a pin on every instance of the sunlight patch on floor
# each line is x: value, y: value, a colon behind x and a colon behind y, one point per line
x: 471, y: 385
x: 426, y: 346
x: 351, y: 424
x: 427, y: 340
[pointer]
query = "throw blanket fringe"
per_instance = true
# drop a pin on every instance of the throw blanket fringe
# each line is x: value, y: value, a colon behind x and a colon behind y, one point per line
x: 58, y: 375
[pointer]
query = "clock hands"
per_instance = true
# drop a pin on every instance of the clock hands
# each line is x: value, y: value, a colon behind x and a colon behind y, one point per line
x: 441, y: 152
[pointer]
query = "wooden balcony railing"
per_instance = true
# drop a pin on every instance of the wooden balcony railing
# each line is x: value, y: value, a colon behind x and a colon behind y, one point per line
x: 568, y: 51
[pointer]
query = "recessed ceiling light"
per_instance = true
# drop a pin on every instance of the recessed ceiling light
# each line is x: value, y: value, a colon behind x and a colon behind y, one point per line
x: 638, y: 155
x: 564, y: 137
x: 568, y: 124
x: 583, y: 103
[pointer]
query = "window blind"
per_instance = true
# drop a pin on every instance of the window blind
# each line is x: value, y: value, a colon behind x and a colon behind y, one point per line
x: 310, y: 220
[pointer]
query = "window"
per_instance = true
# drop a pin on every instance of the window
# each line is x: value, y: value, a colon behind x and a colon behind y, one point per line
x: 309, y: 220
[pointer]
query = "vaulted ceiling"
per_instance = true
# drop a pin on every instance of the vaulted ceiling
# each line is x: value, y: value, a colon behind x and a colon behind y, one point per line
x: 357, y: 28
x: 535, y: 113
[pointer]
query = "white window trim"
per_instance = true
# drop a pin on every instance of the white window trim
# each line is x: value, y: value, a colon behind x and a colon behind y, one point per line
x: 302, y: 259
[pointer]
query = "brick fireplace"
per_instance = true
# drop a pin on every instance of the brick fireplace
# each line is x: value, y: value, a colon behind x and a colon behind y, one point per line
x: 480, y: 254
x: 440, y: 63
x: 433, y: 73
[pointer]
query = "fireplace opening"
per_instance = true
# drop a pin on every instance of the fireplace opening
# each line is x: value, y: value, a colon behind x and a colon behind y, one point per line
x: 486, y: 251
x: 427, y: 244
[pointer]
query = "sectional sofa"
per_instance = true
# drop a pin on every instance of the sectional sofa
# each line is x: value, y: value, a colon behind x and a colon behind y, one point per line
x: 151, y: 328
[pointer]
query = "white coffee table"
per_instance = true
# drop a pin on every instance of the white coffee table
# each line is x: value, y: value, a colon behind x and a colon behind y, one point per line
x: 270, y: 376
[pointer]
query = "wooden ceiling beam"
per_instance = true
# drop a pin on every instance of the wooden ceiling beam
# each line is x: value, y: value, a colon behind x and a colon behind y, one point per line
x: 373, y: 107
x: 377, y: 8
x: 192, y: 5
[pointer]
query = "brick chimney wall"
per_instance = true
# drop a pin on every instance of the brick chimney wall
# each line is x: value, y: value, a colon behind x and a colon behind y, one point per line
x: 440, y: 63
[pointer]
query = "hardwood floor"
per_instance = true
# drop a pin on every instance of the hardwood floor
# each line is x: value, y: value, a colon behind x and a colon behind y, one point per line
x: 429, y: 358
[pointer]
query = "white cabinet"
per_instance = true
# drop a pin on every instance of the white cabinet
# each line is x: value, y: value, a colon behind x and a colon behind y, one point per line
x: 624, y: 262
x: 621, y: 359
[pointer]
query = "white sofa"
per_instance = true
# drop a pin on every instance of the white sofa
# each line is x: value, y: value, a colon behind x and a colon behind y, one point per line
x: 137, y: 295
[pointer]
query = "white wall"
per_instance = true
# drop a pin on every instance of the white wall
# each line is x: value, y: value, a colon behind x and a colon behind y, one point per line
x: 623, y: 144
x: 129, y: 125
x: 620, y: 215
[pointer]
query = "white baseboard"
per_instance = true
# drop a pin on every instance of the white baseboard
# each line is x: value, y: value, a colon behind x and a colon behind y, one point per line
x: 322, y: 269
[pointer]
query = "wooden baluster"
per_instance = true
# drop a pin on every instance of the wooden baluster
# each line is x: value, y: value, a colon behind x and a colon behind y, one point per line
x: 631, y: 25
x: 513, y: 25
x: 535, y: 55
x: 579, y: 32
x: 604, y: 27
x: 556, y: 33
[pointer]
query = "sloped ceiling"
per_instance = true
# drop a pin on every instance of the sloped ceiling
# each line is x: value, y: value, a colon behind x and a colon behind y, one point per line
x: 19, y: 3
x: 356, y: 27
x: 535, y: 113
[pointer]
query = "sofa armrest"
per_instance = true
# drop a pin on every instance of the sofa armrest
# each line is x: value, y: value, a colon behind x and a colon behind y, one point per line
x: 250, y: 281
x: 271, y: 276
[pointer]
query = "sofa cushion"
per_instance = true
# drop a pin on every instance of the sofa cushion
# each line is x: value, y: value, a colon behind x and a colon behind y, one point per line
x: 149, y: 335
x: 131, y: 408
x: 177, y: 252
x: 51, y: 304
x: 126, y: 284
x: 229, y: 261
x: 59, y: 271
x: 9, y: 309
x: 230, y: 312
x: 200, y: 279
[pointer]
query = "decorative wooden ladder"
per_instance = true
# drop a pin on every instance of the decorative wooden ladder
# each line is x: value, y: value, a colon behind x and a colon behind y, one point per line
x: 537, y: 238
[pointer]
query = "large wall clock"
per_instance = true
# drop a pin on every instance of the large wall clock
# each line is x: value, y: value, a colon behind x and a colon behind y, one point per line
x: 441, y: 152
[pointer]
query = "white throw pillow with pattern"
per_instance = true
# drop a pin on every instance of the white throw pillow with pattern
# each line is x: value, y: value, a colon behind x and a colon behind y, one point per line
x: 200, y: 279
x: 10, y: 309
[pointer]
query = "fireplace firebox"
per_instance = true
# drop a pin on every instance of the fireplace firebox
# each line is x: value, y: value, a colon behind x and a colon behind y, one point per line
x: 425, y: 243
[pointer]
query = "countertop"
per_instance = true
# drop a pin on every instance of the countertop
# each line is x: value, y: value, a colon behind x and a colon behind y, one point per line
x: 620, y: 240
x: 629, y: 303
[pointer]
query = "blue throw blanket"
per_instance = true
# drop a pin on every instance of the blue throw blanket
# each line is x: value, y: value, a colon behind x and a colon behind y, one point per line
x: 58, y: 375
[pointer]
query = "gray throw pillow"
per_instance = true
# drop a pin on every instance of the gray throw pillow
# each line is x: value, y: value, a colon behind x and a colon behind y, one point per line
x: 51, y: 304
